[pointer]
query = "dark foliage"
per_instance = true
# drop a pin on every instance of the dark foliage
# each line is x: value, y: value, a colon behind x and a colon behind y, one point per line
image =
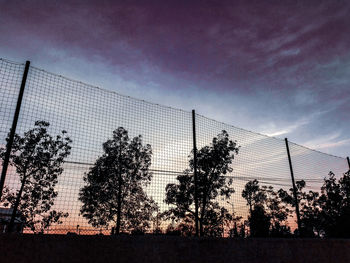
x: 268, y: 212
x: 114, y: 185
x: 326, y: 214
x: 37, y: 158
x: 259, y: 222
x: 334, y: 203
x: 213, y: 163
x: 309, y: 209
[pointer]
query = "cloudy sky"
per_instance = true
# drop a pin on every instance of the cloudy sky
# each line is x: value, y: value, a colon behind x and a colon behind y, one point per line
x: 281, y: 68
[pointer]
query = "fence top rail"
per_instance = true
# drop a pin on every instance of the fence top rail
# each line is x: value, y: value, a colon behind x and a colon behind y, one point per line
x: 164, y: 106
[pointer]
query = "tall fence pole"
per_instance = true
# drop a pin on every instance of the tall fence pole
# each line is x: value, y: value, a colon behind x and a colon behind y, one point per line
x: 195, y: 171
x: 347, y: 158
x: 294, y: 187
x: 13, y: 129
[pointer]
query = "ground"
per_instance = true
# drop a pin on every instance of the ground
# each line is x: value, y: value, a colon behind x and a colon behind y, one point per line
x: 62, y: 248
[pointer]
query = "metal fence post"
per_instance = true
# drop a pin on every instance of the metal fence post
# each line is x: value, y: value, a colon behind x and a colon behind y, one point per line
x: 195, y: 170
x: 347, y: 158
x: 294, y: 187
x: 13, y: 128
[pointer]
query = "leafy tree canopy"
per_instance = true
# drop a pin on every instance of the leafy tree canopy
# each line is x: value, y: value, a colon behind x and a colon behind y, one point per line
x: 326, y: 213
x: 113, y: 191
x: 213, y: 163
x: 334, y: 203
x: 37, y: 157
x: 268, y: 212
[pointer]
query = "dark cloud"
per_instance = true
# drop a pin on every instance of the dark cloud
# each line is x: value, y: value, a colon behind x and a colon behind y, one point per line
x: 233, y: 40
x: 289, y: 57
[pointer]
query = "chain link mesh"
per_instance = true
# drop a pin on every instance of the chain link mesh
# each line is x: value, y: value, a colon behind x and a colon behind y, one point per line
x: 90, y: 114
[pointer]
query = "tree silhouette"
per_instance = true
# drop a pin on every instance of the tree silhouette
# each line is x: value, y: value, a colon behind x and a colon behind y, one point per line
x: 138, y: 213
x: 233, y: 232
x: 184, y: 227
x: 37, y: 158
x: 253, y: 194
x: 310, y: 221
x: 259, y: 222
x: 213, y: 163
x: 114, y: 185
x: 326, y: 214
x: 278, y: 212
x: 334, y: 202
x: 157, y: 221
x: 268, y: 212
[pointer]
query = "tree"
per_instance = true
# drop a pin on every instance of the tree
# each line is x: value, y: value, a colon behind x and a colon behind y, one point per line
x: 114, y: 185
x: 233, y: 232
x: 259, y: 222
x: 253, y: 194
x: 37, y: 158
x: 309, y: 208
x: 268, y: 212
x: 334, y: 203
x: 278, y: 213
x: 157, y: 221
x: 138, y: 213
x: 213, y: 163
x: 326, y: 214
x: 184, y: 228
x: 234, y: 229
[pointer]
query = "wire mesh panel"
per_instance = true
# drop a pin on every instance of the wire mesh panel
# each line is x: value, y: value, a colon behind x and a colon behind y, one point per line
x: 10, y: 81
x: 259, y: 158
x: 90, y: 114
x: 313, y: 166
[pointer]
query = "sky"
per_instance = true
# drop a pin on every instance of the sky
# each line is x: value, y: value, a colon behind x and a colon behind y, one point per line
x: 280, y: 68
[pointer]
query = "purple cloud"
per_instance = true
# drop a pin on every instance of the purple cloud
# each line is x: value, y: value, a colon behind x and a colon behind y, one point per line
x: 276, y: 61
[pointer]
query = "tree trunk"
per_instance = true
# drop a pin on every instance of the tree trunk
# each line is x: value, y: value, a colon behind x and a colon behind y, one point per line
x: 119, y: 201
x: 15, y: 208
x: 119, y: 205
x: 201, y: 226
x: 201, y: 231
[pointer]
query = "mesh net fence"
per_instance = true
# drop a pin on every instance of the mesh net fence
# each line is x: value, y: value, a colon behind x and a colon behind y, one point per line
x: 90, y: 114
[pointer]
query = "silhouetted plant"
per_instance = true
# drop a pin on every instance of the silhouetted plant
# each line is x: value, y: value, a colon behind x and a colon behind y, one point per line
x: 326, y: 214
x: 309, y: 208
x: 138, y: 211
x: 186, y: 227
x: 114, y: 185
x: 217, y: 218
x: 233, y: 227
x: 334, y: 202
x: 157, y: 221
x: 213, y: 163
x: 37, y: 158
x: 253, y: 194
x: 242, y: 230
x: 233, y: 232
x: 268, y: 204
x: 171, y: 230
x: 259, y: 222
x: 278, y: 212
